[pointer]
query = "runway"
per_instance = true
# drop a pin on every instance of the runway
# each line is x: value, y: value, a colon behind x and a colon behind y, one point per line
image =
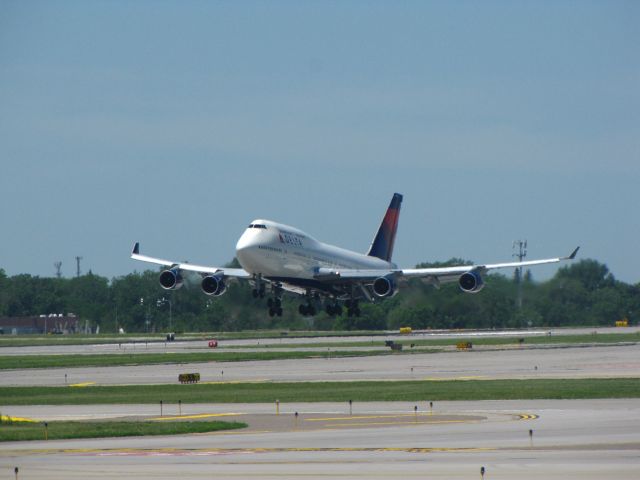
x: 557, y: 362
x: 570, y: 439
x: 140, y: 345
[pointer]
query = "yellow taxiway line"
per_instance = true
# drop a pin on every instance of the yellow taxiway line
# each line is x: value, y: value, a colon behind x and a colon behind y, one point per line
x: 84, y: 384
x: 527, y: 416
x: 369, y: 424
x: 196, y: 416
x: 364, y: 417
x: 8, y: 419
x: 448, y: 379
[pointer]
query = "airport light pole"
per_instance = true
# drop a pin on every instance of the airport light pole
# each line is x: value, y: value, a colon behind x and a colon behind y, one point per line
x: 147, y: 320
x: 520, y: 254
x: 163, y: 301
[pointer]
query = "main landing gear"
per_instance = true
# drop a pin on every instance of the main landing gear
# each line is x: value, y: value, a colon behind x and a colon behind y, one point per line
x: 275, y: 307
x: 333, y: 309
x: 314, y: 303
x: 307, y: 310
x: 353, y: 309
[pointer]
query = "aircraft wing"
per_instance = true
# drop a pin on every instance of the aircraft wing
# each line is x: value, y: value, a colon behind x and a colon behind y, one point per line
x: 458, y: 270
x: 227, y: 272
x: 433, y: 274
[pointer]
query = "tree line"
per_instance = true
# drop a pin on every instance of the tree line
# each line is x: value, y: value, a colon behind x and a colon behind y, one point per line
x: 583, y: 293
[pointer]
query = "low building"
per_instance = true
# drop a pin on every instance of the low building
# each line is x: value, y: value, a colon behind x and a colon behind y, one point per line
x: 42, y: 324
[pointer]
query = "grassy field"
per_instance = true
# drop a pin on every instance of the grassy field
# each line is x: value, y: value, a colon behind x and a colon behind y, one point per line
x: 378, y: 336
x: 227, y: 354
x: 33, y: 340
x: 598, y: 338
x: 326, y: 391
x: 18, y: 431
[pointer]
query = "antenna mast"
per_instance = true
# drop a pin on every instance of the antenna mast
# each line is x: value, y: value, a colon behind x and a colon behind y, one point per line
x: 78, y: 266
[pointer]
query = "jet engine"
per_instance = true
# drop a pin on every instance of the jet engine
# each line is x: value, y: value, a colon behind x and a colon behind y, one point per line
x: 171, y: 279
x: 471, y: 282
x: 213, y: 285
x: 385, y: 286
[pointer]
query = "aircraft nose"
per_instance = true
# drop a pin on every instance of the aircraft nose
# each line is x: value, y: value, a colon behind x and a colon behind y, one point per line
x: 243, y: 242
x: 246, y: 244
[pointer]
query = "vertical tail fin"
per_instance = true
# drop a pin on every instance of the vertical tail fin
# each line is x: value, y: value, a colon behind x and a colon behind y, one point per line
x: 382, y: 245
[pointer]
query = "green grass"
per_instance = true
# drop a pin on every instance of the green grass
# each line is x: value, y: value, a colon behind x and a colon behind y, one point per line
x: 32, y: 340
x: 46, y: 340
x: 326, y: 391
x: 19, y: 431
x: 545, y: 339
x: 227, y: 354
x: 598, y: 338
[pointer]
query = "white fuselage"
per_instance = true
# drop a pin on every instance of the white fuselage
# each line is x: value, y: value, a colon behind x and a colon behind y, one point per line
x: 274, y: 250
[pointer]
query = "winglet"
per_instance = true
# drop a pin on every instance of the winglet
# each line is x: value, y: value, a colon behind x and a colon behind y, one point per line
x: 136, y: 249
x: 573, y: 254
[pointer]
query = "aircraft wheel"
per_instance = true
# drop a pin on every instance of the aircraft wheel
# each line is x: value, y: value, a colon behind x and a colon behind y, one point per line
x: 279, y: 311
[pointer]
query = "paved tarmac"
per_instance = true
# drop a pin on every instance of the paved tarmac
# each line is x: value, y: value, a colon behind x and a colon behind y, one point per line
x: 595, y: 361
x: 584, y: 439
x: 129, y: 346
x: 570, y: 439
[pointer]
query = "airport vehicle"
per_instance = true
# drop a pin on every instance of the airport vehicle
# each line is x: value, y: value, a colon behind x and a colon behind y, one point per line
x: 287, y: 259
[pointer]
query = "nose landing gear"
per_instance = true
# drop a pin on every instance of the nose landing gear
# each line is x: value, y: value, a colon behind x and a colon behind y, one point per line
x: 275, y: 303
x: 258, y: 291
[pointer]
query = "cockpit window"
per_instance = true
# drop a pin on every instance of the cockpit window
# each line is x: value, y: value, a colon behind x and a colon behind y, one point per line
x: 257, y: 225
x: 250, y: 226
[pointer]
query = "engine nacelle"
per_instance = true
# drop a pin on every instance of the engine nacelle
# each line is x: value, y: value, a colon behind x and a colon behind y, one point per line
x: 171, y: 279
x: 385, y: 286
x: 471, y: 282
x: 213, y: 285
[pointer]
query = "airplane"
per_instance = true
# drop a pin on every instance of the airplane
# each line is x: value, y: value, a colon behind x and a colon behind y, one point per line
x: 288, y: 260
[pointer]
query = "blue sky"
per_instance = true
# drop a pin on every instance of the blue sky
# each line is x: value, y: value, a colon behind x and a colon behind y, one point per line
x: 175, y: 123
